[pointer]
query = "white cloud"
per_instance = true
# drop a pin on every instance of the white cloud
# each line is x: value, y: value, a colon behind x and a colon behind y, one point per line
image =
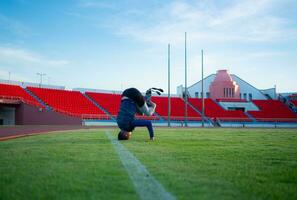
x: 25, y: 57
x: 243, y: 21
x: 240, y: 10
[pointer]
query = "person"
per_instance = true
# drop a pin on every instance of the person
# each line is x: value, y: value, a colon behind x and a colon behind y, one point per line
x: 133, y: 102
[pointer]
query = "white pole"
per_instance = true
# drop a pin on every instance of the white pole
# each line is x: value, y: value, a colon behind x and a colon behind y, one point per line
x: 202, y: 89
x: 186, y: 89
x: 169, y: 105
x: 41, y: 75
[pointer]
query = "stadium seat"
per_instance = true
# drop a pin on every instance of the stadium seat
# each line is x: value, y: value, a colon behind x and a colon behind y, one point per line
x: 69, y: 102
x: 177, y: 109
x: 273, y: 110
x: 111, y: 103
x: 216, y: 112
x: 16, y: 92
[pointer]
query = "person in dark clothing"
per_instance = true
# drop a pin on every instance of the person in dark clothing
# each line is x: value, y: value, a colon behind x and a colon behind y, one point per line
x: 133, y: 102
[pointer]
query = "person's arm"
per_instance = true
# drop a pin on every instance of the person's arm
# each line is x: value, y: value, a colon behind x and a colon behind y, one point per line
x: 148, y: 111
x: 138, y: 111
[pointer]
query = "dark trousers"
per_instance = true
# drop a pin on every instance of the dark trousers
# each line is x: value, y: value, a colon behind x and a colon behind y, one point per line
x: 143, y: 123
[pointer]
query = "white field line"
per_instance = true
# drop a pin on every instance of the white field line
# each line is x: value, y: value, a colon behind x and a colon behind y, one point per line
x: 147, y: 187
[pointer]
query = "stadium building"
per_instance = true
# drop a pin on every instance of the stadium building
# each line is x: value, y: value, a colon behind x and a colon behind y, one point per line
x: 228, y: 101
x: 230, y: 91
x: 223, y: 85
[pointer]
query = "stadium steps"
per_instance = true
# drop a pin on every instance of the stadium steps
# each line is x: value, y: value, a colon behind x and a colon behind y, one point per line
x: 250, y: 116
x: 159, y: 116
x: 217, y: 123
x: 99, y: 106
x: 47, y: 107
x: 219, y: 104
x: 292, y: 105
x: 203, y: 116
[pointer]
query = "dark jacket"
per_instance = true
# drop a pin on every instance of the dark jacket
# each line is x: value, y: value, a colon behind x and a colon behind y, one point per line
x: 128, y: 108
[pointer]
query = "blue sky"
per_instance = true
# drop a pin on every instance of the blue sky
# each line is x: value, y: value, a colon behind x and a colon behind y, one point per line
x: 113, y: 45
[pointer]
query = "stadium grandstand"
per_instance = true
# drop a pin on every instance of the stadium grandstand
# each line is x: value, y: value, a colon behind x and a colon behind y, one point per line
x: 69, y: 102
x: 229, y: 101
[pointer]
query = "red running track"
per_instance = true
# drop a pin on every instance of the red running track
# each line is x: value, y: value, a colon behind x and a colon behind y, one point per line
x: 11, y: 132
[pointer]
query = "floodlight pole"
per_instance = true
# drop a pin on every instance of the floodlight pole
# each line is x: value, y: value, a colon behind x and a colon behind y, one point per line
x: 186, y: 89
x: 169, y: 106
x: 9, y: 73
x: 202, y: 88
x: 41, y: 75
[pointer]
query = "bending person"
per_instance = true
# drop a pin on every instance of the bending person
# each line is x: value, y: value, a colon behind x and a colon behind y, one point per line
x: 133, y: 102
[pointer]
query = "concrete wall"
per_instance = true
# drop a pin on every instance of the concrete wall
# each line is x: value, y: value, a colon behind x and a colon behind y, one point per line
x: 31, y: 115
x: 195, y: 89
x: 246, y: 88
x: 248, y: 106
x: 271, y: 92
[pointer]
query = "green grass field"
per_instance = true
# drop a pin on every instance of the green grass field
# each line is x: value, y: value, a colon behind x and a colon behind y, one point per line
x: 189, y: 163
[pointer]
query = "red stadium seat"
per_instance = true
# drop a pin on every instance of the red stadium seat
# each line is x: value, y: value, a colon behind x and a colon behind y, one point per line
x: 69, y: 102
x: 214, y: 111
x: 111, y: 103
x: 273, y: 110
x: 177, y: 109
x: 16, y: 92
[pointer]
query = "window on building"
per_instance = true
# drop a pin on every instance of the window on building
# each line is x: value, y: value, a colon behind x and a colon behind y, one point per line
x: 224, y: 92
x: 207, y: 94
x: 232, y: 92
x: 240, y: 95
x: 197, y: 94
x: 244, y: 96
x: 250, y: 96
